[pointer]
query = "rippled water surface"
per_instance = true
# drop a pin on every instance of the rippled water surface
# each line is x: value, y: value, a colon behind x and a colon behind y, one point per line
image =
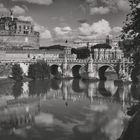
x: 65, y: 109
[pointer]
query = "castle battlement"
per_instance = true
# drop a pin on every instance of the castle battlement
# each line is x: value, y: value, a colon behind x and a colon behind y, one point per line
x: 17, y: 33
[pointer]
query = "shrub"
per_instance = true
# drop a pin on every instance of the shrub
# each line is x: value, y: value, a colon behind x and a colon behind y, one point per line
x: 39, y: 70
x: 17, y: 73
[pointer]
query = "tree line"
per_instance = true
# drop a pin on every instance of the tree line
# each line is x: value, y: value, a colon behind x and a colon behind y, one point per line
x: 38, y: 70
x: 131, y: 37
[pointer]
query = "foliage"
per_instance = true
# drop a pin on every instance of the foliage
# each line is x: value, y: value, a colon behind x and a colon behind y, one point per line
x: 17, y: 89
x: 131, y: 29
x: 131, y: 36
x: 117, y: 68
x: 37, y: 87
x: 82, y: 53
x: 39, y: 70
x: 17, y: 72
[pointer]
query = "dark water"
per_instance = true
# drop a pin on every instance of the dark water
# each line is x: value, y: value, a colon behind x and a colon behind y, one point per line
x: 68, y: 110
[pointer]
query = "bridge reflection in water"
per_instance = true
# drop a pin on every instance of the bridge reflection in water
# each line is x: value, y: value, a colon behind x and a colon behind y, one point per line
x: 65, y: 109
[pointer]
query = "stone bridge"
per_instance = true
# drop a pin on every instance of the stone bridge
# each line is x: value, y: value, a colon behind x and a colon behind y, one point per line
x: 92, y: 67
x: 67, y: 65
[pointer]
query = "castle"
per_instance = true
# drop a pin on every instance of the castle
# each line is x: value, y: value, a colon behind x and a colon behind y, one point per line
x: 17, y: 34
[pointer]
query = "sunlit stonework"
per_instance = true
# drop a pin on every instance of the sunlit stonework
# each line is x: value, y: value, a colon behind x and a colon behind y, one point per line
x: 16, y: 33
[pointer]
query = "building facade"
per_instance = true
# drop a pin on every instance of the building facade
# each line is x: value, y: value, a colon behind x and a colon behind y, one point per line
x: 17, y: 34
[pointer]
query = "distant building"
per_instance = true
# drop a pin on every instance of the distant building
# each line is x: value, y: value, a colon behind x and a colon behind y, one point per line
x: 114, y: 43
x: 16, y: 33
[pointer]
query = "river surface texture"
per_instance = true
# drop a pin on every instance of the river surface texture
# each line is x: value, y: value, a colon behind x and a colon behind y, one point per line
x: 69, y: 110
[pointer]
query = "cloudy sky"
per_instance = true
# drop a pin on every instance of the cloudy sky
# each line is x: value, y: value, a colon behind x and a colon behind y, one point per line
x: 70, y: 19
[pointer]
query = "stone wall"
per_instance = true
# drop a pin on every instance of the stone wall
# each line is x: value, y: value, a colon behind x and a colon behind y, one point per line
x: 18, y: 41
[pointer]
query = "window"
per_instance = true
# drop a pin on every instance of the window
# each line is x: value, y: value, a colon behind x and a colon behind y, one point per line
x: 31, y: 29
x: 24, y: 27
x: 19, y: 28
x: 28, y: 55
x: 25, y: 32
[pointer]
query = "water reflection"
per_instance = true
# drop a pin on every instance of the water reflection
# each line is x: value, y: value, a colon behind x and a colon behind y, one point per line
x: 68, y: 109
x: 132, y: 128
x: 17, y: 89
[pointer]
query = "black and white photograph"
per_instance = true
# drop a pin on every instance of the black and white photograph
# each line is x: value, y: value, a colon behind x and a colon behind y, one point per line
x: 69, y: 69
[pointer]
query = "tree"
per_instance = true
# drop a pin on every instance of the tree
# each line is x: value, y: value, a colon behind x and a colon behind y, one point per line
x: 17, y: 72
x: 17, y: 89
x: 131, y: 29
x: 82, y: 53
x: 131, y: 36
x: 39, y: 70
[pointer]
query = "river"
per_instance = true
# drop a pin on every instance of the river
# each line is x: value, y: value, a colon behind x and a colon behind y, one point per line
x: 66, y: 109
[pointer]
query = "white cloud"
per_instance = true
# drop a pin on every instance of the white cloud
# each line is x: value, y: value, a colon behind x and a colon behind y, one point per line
x: 104, y: 6
x: 41, y: 2
x: 62, y: 30
x: 44, y: 32
x: 26, y: 18
x: 123, y: 5
x: 18, y: 10
x: 100, y: 28
x: 64, y: 33
x: 3, y: 9
x: 117, y: 29
x: 99, y: 10
x: 85, y: 29
x: 96, y: 30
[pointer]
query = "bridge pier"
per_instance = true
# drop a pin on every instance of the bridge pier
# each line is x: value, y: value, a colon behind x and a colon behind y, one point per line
x: 66, y: 71
x: 125, y: 72
x: 92, y: 71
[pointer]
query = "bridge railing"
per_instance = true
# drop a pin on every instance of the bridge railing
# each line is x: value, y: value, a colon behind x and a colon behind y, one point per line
x: 60, y: 61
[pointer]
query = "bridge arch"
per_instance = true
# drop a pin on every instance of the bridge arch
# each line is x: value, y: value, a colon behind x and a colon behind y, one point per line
x: 76, y: 86
x: 102, y: 90
x: 56, y: 84
x: 103, y: 69
x: 76, y: 71
x: 54, y: 70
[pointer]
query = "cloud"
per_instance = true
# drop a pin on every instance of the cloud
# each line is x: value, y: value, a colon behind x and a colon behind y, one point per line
x: 44, y: 32
x: 123, y: 5
x: 26, y: 18
x: 104, y: 6
x: 85, y: 29
x: 25, y: 7
x: 99, y: 28
x: 40, y: 2
x: 99, y: 10
x: 96, y: 30
x: 117, y: 4
x: 64, y: 33
x: 3, y: 9
x: 117, y: 29
x: 18, y: 10
x: 92, y: 2
x: 62, y: 30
